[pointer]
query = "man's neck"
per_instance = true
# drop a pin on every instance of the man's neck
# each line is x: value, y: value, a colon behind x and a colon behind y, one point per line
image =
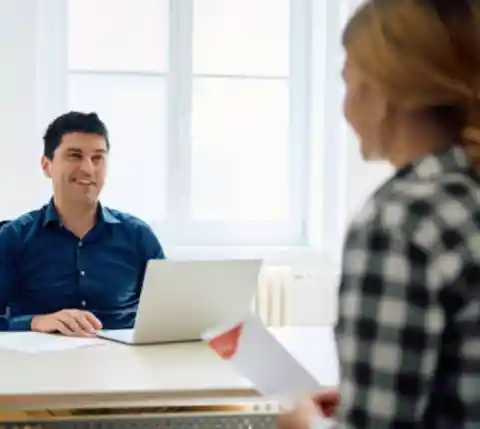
x: 77, y: 218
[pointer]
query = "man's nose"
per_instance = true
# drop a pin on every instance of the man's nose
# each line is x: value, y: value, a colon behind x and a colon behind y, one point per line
x: 87, y: 166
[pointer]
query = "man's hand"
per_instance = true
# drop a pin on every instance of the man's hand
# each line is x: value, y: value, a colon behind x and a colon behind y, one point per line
x: 67, y: 322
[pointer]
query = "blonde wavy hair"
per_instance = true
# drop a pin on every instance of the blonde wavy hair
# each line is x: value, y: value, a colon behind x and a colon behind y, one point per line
x: 423, y: 55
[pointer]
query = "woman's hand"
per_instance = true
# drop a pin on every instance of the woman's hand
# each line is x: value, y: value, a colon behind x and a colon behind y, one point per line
x: 322, y: 404
x: 300, y: 417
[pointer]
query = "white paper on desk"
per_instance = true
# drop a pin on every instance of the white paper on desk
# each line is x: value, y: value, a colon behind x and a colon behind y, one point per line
x: 258, y: 356
x: 36, y: 342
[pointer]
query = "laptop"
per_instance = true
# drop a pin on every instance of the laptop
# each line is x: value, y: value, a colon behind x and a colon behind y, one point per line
x: 181, y: 300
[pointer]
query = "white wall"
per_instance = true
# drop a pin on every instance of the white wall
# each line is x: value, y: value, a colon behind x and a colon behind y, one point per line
x: 23, y: 74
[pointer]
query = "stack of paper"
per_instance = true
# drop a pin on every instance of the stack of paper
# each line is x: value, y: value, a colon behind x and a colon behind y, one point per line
x: 36, y: 342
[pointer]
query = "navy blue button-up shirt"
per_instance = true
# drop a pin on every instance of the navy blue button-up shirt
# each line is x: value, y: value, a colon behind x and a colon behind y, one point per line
x: 45, y: 268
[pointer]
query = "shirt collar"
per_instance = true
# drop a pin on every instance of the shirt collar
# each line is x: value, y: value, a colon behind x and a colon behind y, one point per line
x: 104, y: 215
x: 438, y: 164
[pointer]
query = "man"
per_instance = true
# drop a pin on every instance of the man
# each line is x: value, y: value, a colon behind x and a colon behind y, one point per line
x: 74, y: 266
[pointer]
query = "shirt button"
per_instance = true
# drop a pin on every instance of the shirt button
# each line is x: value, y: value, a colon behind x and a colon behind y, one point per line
x: 80, y: 244
x: 82, y: 273
x: 84, y: 303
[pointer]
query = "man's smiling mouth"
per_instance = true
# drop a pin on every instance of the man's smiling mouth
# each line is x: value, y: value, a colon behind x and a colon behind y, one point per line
x: 83, y: 182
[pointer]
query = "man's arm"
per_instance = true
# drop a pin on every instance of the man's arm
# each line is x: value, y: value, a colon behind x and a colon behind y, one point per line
x: 150, y: 248
x: 9, y: 250
x: 148, y: 242
x: 66, y: 321
x: 9, y: 265
x: 390, y: 328
x: 20, y: 323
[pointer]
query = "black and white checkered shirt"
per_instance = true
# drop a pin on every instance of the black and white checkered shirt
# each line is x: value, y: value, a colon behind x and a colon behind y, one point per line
x: 409, y: 326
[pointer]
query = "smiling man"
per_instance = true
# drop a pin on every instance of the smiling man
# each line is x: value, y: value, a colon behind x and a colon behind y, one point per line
x: 74, y: 266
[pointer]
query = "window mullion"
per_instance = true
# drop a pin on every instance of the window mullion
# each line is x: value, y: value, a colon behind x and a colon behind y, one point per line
x: 51, y: 60
x: 299, y: 133
x: 318, y: 154
x: 179, y: 112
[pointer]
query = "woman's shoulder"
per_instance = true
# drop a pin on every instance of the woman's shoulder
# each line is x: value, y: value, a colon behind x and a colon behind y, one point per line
x: 424, y: 210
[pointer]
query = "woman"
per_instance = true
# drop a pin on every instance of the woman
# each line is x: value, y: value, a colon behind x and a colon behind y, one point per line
x: 409, y: 323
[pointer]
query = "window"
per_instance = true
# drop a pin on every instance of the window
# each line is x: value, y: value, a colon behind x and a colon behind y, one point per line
x: 206, y: 102
x: 118, y: 67
x: 225, y: 117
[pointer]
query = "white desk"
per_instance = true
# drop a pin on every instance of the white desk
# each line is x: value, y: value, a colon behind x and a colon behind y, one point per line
x: 112, y: 374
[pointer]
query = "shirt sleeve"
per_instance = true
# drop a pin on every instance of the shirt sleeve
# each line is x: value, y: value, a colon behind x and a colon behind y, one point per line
x: 8, y: 271
x: 20, y: 323
x: 152, y: 249
x: 391, y: 324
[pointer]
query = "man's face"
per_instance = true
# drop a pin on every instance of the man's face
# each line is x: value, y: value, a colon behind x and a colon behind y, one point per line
x: 78, y: 167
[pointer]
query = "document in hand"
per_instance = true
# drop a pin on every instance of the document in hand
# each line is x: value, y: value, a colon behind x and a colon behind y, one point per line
x: 258, y: 355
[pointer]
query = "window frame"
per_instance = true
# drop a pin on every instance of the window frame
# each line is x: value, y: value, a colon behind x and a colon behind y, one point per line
x: 212, y: 233
x: 305, y: 230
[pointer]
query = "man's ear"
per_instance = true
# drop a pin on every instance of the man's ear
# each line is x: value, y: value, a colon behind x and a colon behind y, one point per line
x: 46, y: 165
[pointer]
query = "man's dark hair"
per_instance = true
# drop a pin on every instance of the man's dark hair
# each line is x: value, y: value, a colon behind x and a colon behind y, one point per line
x: 72, y: 122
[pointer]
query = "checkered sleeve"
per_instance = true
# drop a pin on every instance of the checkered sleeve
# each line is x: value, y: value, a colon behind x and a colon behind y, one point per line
x: 391, y: 315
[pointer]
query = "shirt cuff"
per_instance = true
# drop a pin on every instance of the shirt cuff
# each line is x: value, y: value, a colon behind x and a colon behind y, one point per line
x: 20, y: 323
